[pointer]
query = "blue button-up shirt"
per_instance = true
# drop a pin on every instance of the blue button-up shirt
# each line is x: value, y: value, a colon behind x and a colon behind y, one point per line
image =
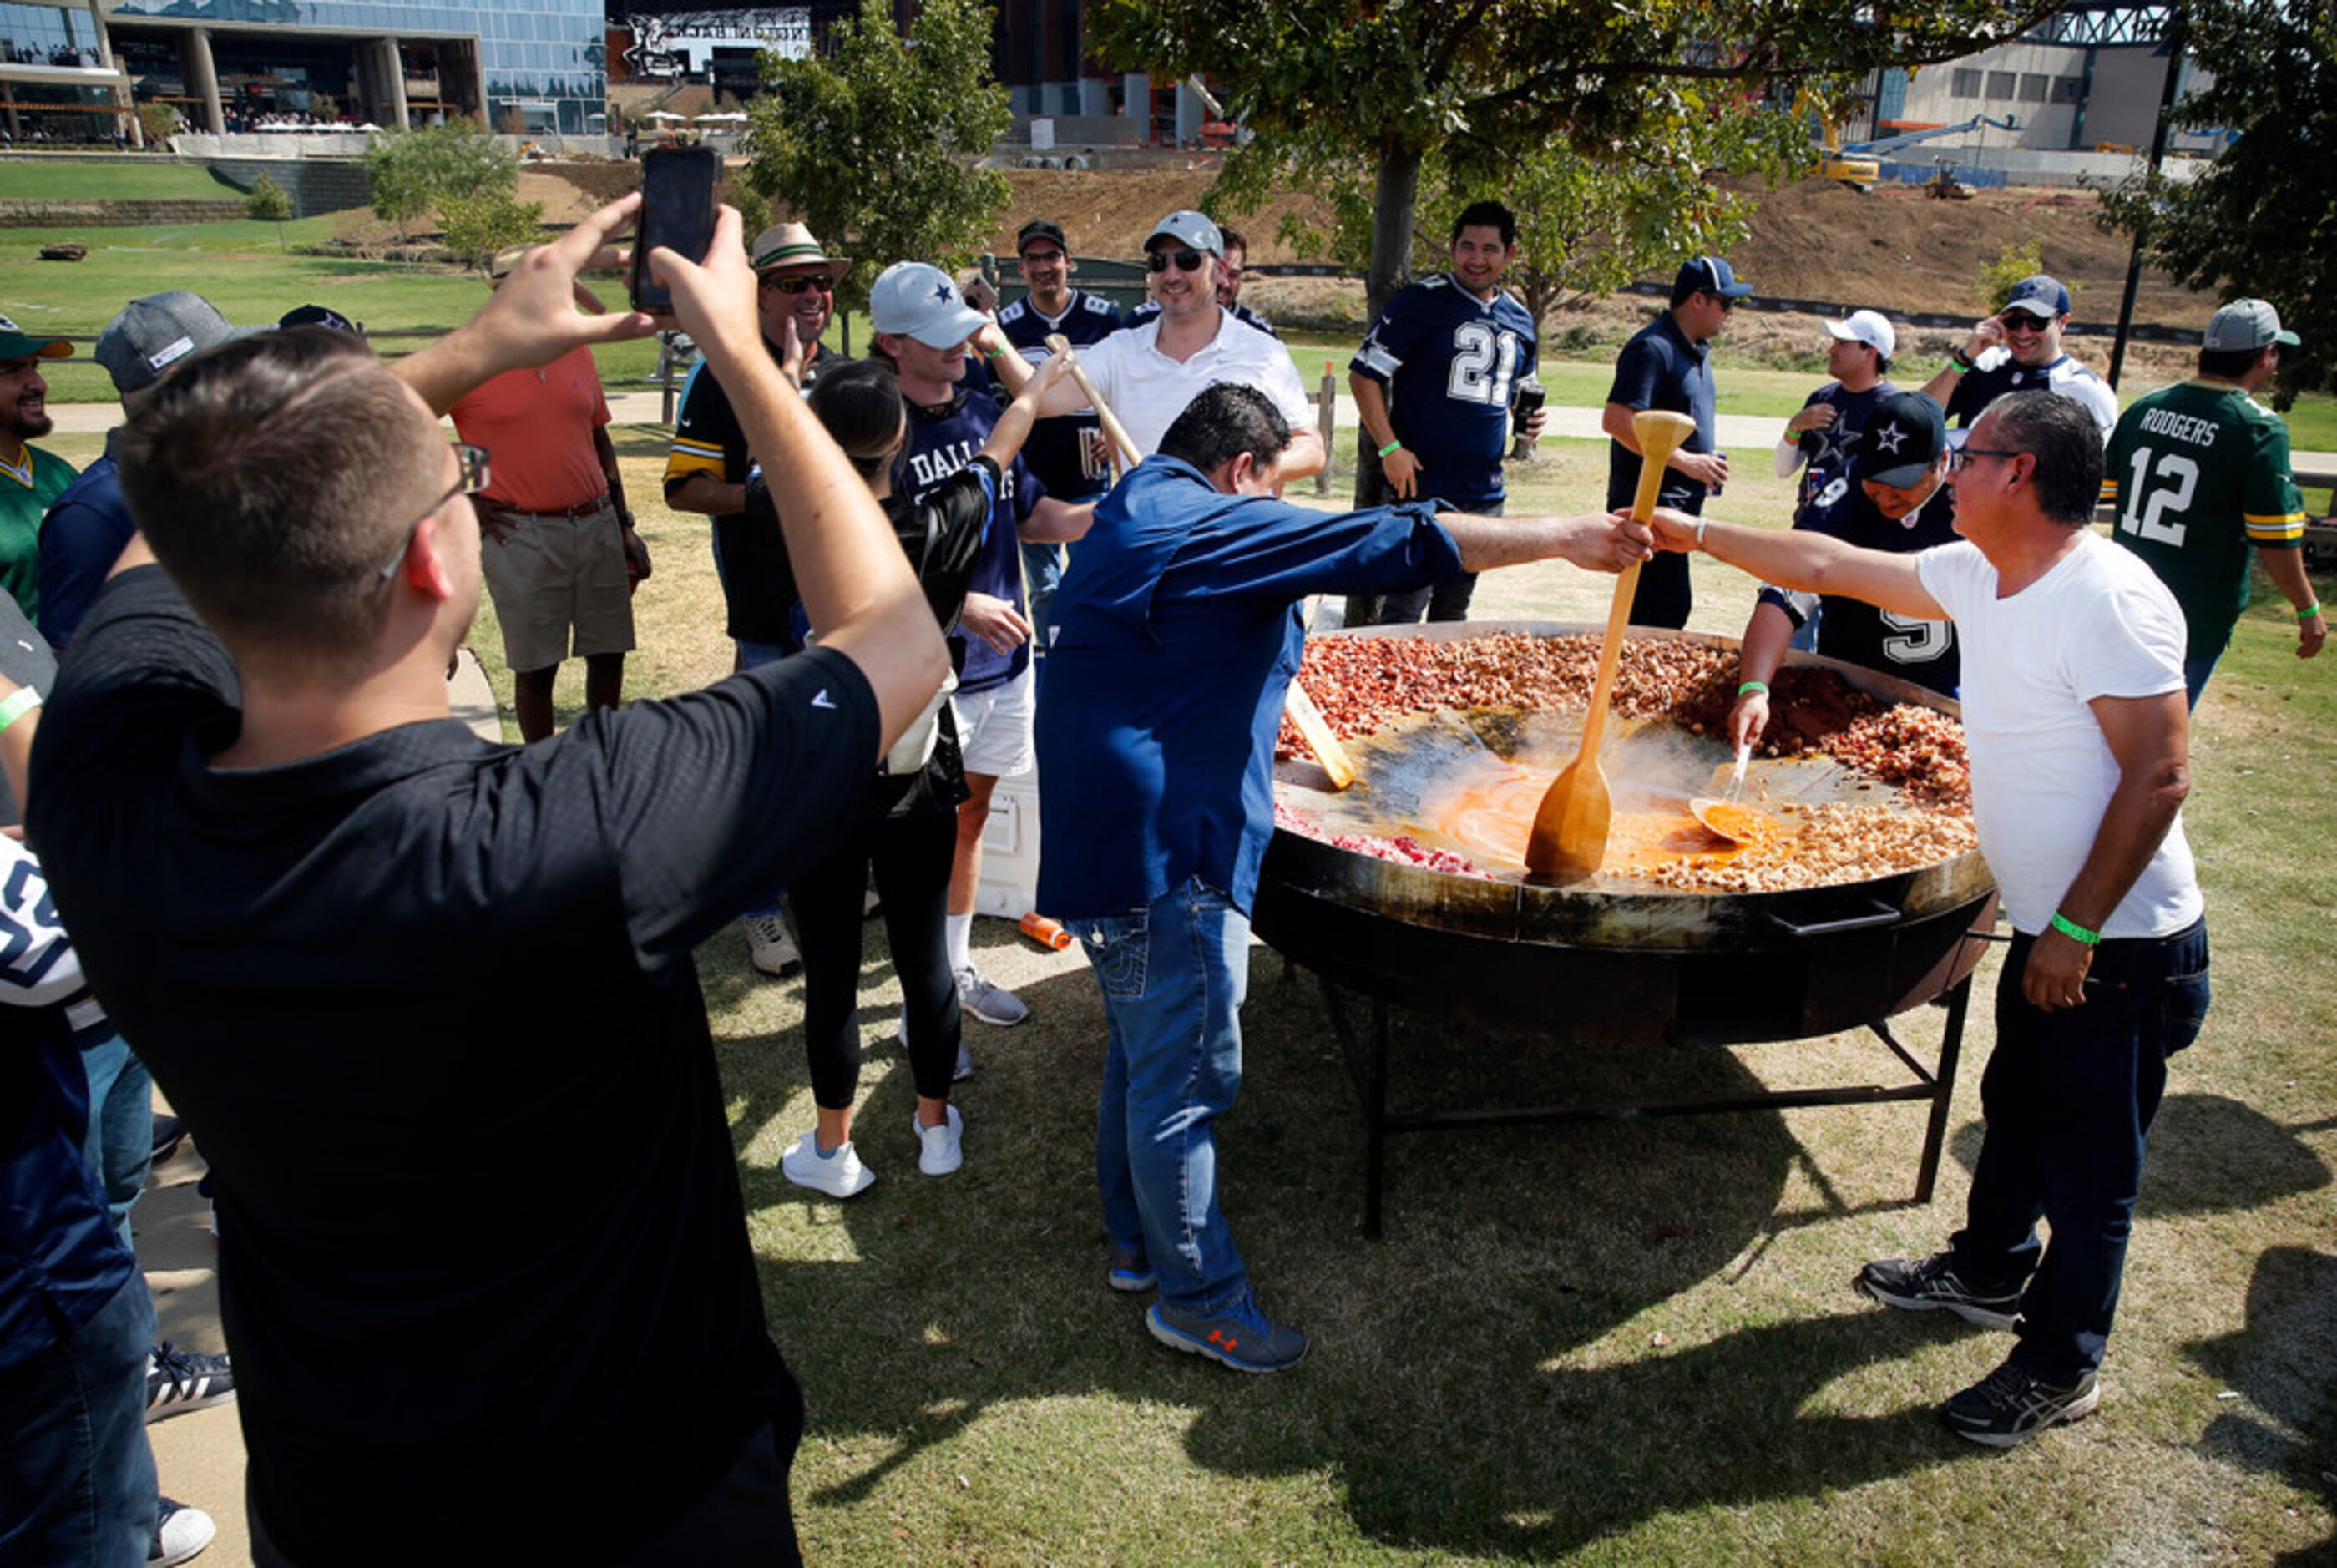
x: 1178, y: 630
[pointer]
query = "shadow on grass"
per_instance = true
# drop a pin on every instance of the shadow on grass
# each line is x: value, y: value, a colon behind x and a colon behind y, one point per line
x: 2209, y: 1154
x: 2285, y: 1361
x: 1462, y: 1369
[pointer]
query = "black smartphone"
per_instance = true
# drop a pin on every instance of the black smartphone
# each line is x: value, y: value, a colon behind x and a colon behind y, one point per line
x: 677, y: 212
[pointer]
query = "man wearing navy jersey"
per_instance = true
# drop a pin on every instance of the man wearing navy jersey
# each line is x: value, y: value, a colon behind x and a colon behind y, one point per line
x: 1897, y: 499
x: 1824, y: 433
x: 1432, y: 383
x: 1059, y: 451
x: 2019, y: 349
x: 1667, y: 365
x: 924, y: 326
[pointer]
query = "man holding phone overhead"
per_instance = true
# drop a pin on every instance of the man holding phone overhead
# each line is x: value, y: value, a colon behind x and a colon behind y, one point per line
x: 258, y: 819
x: 708, y: 469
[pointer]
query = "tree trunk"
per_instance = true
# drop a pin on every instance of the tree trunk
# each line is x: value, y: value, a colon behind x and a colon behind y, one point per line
x: 1397, y: 189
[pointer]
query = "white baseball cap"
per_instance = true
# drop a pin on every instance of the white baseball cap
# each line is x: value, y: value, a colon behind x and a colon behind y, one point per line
x: 913, y: 299
x: 1868, y: 326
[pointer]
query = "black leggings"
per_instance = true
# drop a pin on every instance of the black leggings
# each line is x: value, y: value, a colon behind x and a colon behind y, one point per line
x: 911, y: 859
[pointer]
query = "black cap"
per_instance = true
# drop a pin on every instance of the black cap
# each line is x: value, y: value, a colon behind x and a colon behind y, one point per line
x: 317, y: 315
x: 1903, y: 440
x: 1040, y: 228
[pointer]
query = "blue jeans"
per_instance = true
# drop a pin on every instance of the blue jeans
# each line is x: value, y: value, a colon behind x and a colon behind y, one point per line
x: 2068, y: 1098
x: 1043, y: 573
x: 751, y: 656
x: 119, y: 1145
x: 76, y: 1475
x: 1173, y: 975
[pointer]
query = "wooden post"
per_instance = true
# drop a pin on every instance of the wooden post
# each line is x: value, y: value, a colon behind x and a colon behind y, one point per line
x: 1327, y: 419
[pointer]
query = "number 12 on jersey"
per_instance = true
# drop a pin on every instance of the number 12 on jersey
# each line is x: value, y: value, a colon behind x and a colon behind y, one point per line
x: 2177, y: 477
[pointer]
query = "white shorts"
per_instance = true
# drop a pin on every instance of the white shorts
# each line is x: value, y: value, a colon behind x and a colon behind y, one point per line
x: 994, y: 726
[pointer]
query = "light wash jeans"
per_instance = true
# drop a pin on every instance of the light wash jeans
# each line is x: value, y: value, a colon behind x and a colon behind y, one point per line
x: 1173, y: 975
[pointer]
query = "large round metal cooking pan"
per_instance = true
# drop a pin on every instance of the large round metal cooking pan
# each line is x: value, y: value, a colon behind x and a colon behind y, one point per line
x: 1609, y: 956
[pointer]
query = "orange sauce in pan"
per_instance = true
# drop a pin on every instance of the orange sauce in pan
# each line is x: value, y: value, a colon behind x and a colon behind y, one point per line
x: 1741, y: 823
x: 1493, y: 818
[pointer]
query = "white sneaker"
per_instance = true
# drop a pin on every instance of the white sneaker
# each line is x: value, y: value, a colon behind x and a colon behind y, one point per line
x: 180, y: 1533
x: 768, y: 945
x: 994, y: 1005
x: 839, y: 1175
x: 870, y: 905
x: 938, y: 1148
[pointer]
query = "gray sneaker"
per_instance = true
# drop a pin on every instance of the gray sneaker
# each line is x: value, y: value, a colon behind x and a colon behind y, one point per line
x: 964, y: 1068
x: 2011, y: 1406
x: 1241, y: 1337
x: 994, y: 1005
x: 769, y: 947
x: 1933, y: 1285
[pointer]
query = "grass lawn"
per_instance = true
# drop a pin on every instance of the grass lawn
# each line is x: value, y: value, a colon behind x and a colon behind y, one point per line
x: 1618, y: 1343
x: 92, y: 182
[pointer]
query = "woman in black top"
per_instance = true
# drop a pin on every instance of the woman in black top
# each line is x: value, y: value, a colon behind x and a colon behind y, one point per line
x: 906, y: 833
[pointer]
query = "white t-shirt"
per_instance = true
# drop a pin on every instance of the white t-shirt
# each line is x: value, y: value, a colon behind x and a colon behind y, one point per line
x: 1148, y: 390
x: 2099, y: 624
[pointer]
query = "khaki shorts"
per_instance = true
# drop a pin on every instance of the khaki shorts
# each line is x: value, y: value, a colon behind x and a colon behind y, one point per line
x: 555, y: 576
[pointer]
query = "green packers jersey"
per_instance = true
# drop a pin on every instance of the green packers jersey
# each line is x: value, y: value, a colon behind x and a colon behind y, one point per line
x: 2197, y: 473
x: 25, y: 498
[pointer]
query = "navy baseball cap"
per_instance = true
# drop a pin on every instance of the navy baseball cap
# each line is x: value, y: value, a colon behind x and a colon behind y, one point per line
x: 317, y: 315
x: 2040, y: 296
x: 1902, y: 442
x: 1709, y: 275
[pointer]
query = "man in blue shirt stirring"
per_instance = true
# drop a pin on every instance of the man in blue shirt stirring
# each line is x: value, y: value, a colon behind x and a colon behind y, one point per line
x: 1179, y: 631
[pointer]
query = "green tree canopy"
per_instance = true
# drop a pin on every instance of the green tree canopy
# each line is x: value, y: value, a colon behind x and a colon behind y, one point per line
x: 1376, y: 86
x: 874, y: 147
x: 2261, y: 220
x: 414, y: 170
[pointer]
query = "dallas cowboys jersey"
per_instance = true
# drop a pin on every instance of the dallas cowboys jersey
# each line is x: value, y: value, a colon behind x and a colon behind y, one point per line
x: 1997, y: 377
x: 1857, y: 632
x: 1449, y: 360
x: 944, y: 439
x: 1056, y: 449
x: 1827, y: 453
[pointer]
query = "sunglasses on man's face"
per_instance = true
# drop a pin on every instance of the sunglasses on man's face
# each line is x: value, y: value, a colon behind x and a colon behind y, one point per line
x: 2022, y: 321
x: 1185, y: 261
x: 796, y: 285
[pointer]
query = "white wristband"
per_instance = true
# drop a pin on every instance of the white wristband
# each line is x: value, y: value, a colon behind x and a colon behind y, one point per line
x: 1701, y: 524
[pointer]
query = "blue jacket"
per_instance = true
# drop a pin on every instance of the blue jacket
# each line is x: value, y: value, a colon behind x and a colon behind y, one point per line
x: 1178, y: 630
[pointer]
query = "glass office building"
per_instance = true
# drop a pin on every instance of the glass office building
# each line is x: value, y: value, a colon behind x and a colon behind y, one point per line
x: 523, y: 65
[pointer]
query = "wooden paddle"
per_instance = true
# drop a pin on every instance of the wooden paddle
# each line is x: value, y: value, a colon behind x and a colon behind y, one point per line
x: 1570, y: 828
x: 1304, y: 716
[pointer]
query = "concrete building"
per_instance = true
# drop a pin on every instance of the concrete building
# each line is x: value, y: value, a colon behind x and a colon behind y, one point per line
x: 520, y: 65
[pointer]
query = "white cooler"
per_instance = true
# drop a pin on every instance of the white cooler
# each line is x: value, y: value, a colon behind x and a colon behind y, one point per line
x: 1010, y: 850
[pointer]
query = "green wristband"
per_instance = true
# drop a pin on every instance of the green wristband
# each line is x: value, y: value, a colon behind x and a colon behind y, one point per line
x: 1390, y: 447
x: 1752, y: 688
x: 1961, y: 360
x: 2309, y: 612
x: 2073, y: 931
x: 19, y: 702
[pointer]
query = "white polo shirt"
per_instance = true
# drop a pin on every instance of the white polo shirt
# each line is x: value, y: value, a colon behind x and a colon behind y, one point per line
x: 1148, y: 390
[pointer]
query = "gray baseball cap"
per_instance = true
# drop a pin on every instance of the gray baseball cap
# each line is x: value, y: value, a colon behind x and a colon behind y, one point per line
x: 139, y: 346
x: 913, y: 299
x: 2245, y: 325
x: 1189, y: 227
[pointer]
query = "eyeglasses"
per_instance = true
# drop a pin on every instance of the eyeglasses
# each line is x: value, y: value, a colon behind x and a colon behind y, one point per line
x: 795, y: 285
x: 1186, y: 260
x: 1043, y: 258
x: 1963, y: 454
x: 1722, y: 300
x: 472, y: 479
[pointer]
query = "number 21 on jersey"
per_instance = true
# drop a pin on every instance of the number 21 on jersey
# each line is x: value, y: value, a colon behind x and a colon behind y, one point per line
x: 1483, y: 358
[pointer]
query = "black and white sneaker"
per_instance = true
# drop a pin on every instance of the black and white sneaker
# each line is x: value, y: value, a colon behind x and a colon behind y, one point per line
x: 178, y: 1381
x: 2011, y: 1406
x: 169, y: 1132
x: 180, y: 1533
x: 1933, y: 1285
